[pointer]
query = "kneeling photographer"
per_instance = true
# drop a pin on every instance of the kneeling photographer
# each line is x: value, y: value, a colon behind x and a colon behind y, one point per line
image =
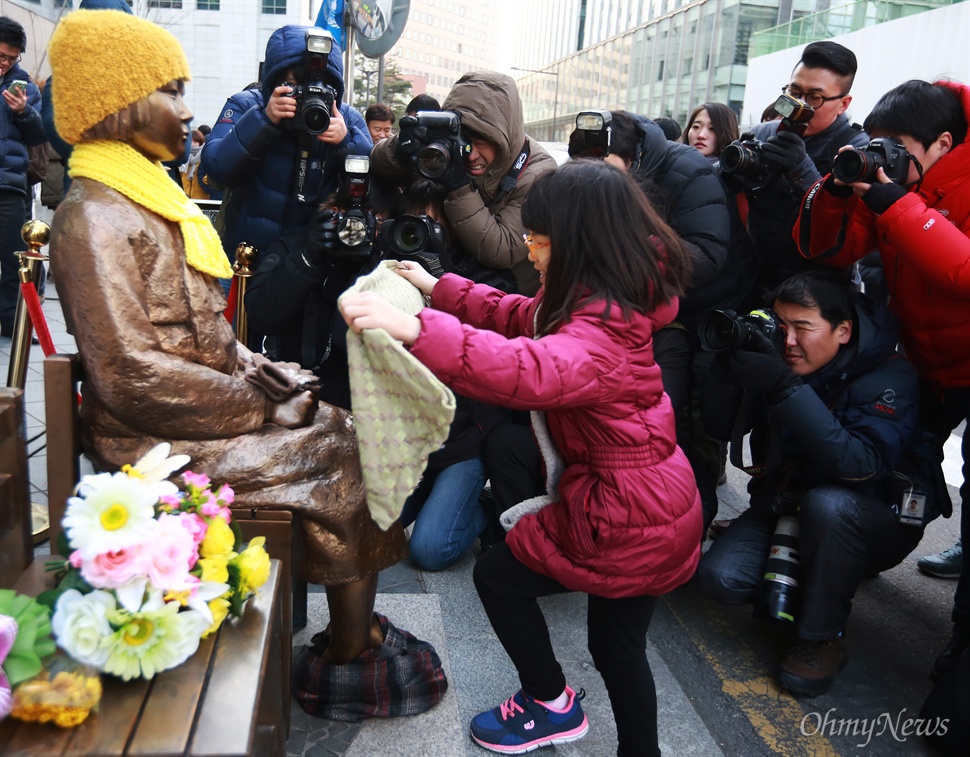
x: 477, y: 151
x: 833, y: 415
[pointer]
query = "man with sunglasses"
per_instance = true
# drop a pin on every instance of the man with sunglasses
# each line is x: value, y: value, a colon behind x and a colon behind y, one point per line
x: 822, y: 79
x: 20, y: 128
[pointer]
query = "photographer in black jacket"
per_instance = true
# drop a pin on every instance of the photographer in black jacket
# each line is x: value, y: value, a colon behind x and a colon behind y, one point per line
x: 833, y: 412
x: 822, y: 79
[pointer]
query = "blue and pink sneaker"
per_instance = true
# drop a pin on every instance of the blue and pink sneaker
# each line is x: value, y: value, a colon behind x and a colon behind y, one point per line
x: 521, y: 724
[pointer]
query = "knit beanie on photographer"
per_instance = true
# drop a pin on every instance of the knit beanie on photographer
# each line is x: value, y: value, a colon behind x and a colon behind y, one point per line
x: 104, y: 61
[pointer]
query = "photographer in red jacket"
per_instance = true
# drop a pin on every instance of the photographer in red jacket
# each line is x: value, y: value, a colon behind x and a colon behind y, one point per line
x: 909, y: 197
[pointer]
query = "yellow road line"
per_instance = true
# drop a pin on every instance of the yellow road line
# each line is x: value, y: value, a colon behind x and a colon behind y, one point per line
x: 773, y: 713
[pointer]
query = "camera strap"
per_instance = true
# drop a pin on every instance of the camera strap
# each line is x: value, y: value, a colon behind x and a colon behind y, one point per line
x: 302, y: 170
x: 511, y: 178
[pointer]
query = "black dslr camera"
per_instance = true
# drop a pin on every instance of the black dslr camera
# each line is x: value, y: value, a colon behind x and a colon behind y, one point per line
x: 428, y: 138
x: 417, y: 238
x: 357, y: 225
x: 725, y: 330
x: 314, y: 100
x: 861, y: 165
x: 745, y: 160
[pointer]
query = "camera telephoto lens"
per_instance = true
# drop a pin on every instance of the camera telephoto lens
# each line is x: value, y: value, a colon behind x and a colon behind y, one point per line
x: 432, y: 161
x: 316, y: 116
x: 779, y: 591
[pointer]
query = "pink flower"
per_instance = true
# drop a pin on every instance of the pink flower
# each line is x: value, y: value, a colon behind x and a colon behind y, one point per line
x: 225, y: 495
x: 170, y: 501
x: 75, y: 559
x: 198, y: 480
x: 109, y: 570
x: 196, y: 526
x: 170, y: 554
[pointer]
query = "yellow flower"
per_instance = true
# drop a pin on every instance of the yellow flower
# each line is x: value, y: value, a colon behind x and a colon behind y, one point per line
x: 253, y: 566
x: 219, y: 608
x: 219, y: 539
x: 215, y: 569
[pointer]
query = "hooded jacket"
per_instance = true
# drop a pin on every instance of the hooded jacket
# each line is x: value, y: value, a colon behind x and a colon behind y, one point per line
x: 628, y: 518
x: 486, y: 220
x: 259, y: 160
x: 690, y: 197
x: 18, y: 131
x: 848, y: 424
x: 924, y: 242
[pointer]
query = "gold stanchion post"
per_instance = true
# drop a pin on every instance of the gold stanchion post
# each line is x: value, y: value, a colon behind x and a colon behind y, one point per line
x: 246, y: 256
x: 35, y: 235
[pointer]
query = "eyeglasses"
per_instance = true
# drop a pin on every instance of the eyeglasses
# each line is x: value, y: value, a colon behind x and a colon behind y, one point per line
x: 811, y: 98
x: 532, y: 244
x: 10, y: 59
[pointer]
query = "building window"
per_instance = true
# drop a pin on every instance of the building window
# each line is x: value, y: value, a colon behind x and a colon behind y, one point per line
x: 164, y: 3
x: 277, y: 7
x: 208, y: 5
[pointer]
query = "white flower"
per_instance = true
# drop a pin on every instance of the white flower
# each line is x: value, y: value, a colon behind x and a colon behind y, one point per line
x: 80, y: 625
x: 156, y: 466
x: 155, y: 639
x: 114, y: 512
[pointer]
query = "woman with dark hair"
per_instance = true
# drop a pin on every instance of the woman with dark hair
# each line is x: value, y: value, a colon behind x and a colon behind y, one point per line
x: 710, y: 128
x: 621, y: 519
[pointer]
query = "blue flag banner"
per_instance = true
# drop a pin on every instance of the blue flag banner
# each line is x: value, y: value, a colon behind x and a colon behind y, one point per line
x: 331, y: 18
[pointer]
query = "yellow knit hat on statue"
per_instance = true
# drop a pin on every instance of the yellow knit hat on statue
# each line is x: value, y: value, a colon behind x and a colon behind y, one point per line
x: 103, y: 61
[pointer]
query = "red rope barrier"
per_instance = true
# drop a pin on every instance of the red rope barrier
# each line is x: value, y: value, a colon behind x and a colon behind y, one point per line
x: 230, y: 311
x: 37, y: 318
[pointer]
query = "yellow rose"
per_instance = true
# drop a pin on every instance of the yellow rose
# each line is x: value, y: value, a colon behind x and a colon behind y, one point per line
x: 219, y: 539
x: 215, y: 568
x: 219, y: 608
x: 253, y: 564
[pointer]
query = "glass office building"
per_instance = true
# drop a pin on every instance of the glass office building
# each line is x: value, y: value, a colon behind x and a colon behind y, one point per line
x: 690, y: 54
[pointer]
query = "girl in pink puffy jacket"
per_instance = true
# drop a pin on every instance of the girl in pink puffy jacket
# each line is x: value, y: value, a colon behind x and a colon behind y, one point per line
x: 622, y: 519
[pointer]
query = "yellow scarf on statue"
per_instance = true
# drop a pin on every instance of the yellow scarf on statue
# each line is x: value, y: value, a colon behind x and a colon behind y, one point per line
x: 124, y: 169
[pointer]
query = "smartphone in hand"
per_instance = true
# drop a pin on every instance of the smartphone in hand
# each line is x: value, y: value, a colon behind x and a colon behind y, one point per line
x: 18, y: 86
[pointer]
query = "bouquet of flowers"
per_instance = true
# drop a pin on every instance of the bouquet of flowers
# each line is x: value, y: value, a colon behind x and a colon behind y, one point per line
x: 152, y: 569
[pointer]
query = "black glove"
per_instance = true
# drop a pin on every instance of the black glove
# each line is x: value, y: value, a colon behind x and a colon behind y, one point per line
x: 454, y: 176
x: 785, y: 149
x: 880, y: 197
x: 408, y: 142
x: 321, y: 239
x: 761, y: 370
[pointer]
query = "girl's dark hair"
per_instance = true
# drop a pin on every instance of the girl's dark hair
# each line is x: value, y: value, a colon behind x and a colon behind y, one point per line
x: 608, y: 243
x: 920, y: 110
x: 724, y: 121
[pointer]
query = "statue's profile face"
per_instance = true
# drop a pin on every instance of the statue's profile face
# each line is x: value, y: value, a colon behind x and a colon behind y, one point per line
x: 166, y: 130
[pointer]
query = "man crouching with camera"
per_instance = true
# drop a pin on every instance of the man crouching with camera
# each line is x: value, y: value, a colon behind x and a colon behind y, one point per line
x: 832, y: 412
x: 477, y: 150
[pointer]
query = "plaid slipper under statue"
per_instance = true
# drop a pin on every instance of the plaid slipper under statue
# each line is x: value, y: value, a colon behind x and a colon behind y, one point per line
x: 401, y: 677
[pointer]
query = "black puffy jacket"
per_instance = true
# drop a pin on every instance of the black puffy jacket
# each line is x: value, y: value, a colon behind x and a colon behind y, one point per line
x: 686, y: 190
